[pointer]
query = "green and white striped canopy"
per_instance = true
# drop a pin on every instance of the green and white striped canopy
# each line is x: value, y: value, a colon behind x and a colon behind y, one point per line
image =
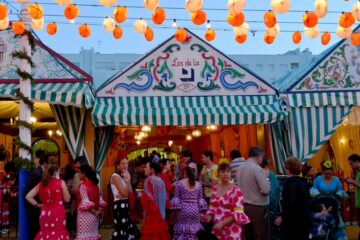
x: 76, y: 94
x: 324, y: 99
x: 187, y: 110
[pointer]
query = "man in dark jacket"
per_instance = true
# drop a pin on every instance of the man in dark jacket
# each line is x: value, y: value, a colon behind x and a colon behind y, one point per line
x: 34, y: 212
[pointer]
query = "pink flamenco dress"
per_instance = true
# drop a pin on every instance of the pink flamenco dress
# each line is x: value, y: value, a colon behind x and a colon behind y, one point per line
x: 230, y: 204
x: 153, y: 202
x: 87, y: 222
x: 52, y: 213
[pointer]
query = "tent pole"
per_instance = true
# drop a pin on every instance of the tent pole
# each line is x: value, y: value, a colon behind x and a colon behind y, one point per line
x: 24, y: 115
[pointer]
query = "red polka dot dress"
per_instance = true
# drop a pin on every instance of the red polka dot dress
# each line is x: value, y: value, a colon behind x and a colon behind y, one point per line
x: 230, y: 204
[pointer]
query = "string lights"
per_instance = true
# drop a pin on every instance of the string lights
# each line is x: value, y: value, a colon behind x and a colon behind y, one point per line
x: 236, y: 19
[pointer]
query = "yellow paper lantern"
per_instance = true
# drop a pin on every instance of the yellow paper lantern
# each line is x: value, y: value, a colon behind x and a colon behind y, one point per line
x: 241, y: 38
x: 71, y: 12
x: 52, y: 28
x: 355, y: 39
x: 241, y: 30
x: 4, y: 23
x: 140, y: 26
x: 109, y: 24
x: 210, y: 35
x: 35, y: 11
x: 180, y: 35
x: 311, y: 32
x: 343, y: 32
x: 3, y: 11
x: 151, y: 4
x: 281, y: 6
x: 236, y: 6
x: 21, y: 1
x: 63, y: 2
x: 37, y: 24
x: 149, y: 34
x: 325, y: 38
x: 356, y: 10
x: 321, y: 8
x: 107, y: 3
x: 193, y: 5
x: 274, y: 31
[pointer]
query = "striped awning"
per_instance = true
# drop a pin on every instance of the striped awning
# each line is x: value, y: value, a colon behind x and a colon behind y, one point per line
x: 323, y: 99
x: 187, y: 110
x: 74, y: 94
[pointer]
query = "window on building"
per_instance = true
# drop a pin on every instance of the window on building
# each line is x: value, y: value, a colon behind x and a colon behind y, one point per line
x: 105, y: 65
x: 283, y: 67
x: 259, y: 67
x: 272, y: 67
x: 294, y: 65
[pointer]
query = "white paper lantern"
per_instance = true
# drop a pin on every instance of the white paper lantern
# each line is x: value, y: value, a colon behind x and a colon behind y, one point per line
x: 4, y: 24
x: 321, y: 8
x: 274, y: 31
x: 236, y: 6
x: 356, y: 10
x: 140, y: 26
x: 241, y: 30
x: 109, y: 24
x: 151, y: 4
x: 312, y: 32
x: 107, y: 3
x: 63, y: 2
x: 37, y: 24
x: 193, y: 5
x: 343, y: 32
x: 281, y: 6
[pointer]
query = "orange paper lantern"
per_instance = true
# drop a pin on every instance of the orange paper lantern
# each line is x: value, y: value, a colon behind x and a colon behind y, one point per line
x: 346, y: 20
x: 118, y: 32
x: 236, y: 20
x: 269, y: 19
x: 325, y: 38
x: 84, y: 30
x: 296, y: 37
x: 310, y: 19
x: 120, y: 14
x: 268, y: 39
x: 149, y: 34
x: 71, y: 11
x: 35, y: 11
x: 355, y: 39
x: 241, y: 38
x: 18, y: 27
x: 158, y: 16
x: 3, y: 11
x: 210, y: 35
x: 180, y: 35
x: 51, y: 28
x: 198, y: 17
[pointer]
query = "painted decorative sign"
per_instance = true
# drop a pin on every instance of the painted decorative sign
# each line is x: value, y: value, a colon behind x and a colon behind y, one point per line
x: 192, y: 68
x: 48, y: 63
x: 339, y: 71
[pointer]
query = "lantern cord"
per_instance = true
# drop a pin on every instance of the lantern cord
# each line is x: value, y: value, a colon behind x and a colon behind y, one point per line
x: 179, y: 8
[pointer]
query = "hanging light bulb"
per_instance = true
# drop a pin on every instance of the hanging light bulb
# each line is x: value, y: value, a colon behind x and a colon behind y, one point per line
x: 174, y: 24
x: 170, y: 143
x: 208, y: 24
x: 188, y: 137
x: 51, y: 133
x: 196, y: 133
x: 146, y: 128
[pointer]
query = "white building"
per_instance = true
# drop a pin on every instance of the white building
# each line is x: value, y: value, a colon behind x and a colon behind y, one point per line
x: 270, y: 67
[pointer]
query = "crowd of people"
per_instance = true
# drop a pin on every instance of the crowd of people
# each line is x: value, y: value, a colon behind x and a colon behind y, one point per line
x: 153, y: 199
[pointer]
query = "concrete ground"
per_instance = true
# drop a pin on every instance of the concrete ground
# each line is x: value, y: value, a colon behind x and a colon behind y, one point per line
x: 352, y: 232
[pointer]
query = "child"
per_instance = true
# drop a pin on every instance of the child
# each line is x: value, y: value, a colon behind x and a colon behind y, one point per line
x: 322, y: 221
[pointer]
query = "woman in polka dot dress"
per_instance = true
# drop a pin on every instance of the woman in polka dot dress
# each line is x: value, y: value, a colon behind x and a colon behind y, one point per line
x: 89, y: 204
x: 52, y: 191
x: 121, y: 187
x: 226, y: 207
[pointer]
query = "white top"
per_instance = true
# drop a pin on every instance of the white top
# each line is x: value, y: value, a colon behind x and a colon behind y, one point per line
x: 114, y: 189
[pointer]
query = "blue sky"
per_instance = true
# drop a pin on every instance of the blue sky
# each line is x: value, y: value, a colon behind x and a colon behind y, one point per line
x: 67, y: 39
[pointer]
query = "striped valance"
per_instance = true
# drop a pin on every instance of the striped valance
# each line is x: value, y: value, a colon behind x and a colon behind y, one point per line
x: 187, y: 111
x: 75, y: 94
x: 323, y: 99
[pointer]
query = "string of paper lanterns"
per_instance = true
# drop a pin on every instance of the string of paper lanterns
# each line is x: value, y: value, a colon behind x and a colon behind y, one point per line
x: 198, y: 16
